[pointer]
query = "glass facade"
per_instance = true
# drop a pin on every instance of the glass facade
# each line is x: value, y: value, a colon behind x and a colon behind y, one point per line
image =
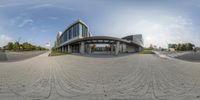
x: 84, y: 31
x: 76, y: 30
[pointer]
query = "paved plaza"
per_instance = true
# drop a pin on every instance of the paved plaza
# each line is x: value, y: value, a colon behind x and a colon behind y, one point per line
x: 75, y: 77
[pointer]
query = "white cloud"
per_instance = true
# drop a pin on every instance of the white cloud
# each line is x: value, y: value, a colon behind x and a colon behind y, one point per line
x: 53, y: 18
x: 167, y: 30
x: 10, y: 5
x: 42, y: 6
x: 48, y: 5
x: 157, y: 28
x: 4, y: 39
x: 26, y: 22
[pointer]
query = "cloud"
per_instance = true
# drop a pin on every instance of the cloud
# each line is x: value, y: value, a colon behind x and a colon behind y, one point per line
x: 157, y: 27
x: 53, y: 18
x: 26, y: 22
x: 174, y: 29
x: 159, y: 22
x: 4, y: 39
x: 10, y: 5
x: 47, y: 5
x: 42, y: 6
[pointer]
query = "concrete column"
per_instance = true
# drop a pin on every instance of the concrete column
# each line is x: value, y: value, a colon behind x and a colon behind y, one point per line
x: 111, y: 48
x: 140, y: 48
x: 82, y: 48
x: 65, y: 48
x: 69, y: 49
x: 120, y: 47
x: 124, y: 47
x: 117, y: 48
x: 62, y: 49
x: 89, y: 49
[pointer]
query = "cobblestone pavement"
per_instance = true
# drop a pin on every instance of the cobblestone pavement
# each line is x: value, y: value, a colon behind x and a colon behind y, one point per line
x: 73, y: 77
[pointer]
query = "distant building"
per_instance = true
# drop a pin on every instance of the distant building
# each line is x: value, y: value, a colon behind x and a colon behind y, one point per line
x: 170, y: 46
x: 171, y: 49
x: 77, y: 38
x: 197, y: 49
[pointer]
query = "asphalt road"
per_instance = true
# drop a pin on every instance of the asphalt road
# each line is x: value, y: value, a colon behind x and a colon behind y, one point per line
x: 3, y: 56
x: 73, y: 77
x: 193, y: 56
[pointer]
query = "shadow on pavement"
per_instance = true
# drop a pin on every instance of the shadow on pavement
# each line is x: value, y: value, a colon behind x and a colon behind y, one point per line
x: 103, y: 55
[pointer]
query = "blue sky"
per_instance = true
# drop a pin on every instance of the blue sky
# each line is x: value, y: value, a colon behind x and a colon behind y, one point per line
x: 160, y: 21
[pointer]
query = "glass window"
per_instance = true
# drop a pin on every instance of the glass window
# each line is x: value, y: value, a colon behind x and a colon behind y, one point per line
x: 65, y: 36
x: 70, y: 33
x: 84, y: 31
x: 74, y: 30
x: 78, y: 29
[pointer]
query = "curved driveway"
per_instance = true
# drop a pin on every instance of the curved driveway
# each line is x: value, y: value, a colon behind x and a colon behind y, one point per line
x: 72, y: 77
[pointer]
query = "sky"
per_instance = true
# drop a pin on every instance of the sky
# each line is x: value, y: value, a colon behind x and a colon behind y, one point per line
x: 159, y: 21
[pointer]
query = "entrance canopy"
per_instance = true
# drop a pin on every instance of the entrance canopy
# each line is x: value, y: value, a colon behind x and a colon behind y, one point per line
x: 100, y: 40
x: 83, y: 45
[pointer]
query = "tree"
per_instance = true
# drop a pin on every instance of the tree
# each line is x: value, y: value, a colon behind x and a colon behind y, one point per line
x: 16, y: 46
x: 174, y: 46
x: 20, y: 47
x: 182, y: 47
x: 26, y: 46
x: 38, y: 48
x: 151, y: 46
x: 9, y: 46
x: 189, y: 46
x: 178, y: 47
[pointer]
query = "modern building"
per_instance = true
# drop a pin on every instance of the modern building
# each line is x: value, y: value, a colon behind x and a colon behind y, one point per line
x: 77, y: 38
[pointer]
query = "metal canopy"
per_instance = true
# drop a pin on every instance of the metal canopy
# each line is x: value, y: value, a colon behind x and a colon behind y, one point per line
x: 100, y: 40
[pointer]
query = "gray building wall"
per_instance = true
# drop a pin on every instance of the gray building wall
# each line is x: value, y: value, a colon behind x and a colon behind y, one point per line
x: 130, y: 48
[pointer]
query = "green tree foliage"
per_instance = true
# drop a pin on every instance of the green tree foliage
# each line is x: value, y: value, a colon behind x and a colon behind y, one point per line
x: 16, y: 46
x: 9, y: 46
x: 174, y: 46
x: 22, y: 47
x: 183, y: 47
x: 27, y: 46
